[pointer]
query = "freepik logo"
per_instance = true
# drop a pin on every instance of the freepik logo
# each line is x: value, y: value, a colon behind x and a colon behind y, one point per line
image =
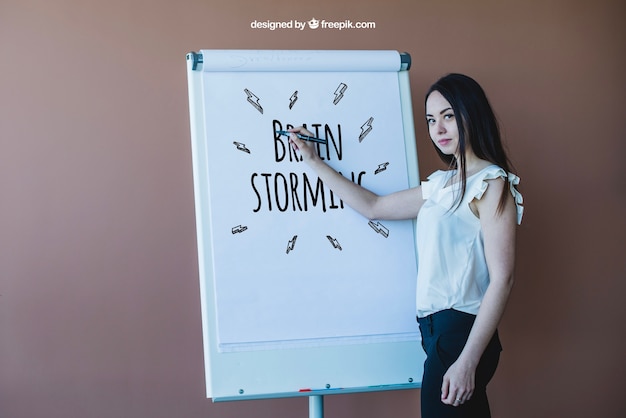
x: 311, y: 24
x: 314, y: 23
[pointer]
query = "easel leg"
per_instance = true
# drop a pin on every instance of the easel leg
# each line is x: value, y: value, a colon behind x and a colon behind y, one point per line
x: 316, y: 406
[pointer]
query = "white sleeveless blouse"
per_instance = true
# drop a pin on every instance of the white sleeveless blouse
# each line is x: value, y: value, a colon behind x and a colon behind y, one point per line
x: 452, y: 270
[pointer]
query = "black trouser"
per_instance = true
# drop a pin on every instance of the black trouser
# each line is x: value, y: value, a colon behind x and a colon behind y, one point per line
x: 444, y: 335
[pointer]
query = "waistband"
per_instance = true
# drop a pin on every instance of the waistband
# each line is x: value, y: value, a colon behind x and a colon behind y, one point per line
x: 448, y: 320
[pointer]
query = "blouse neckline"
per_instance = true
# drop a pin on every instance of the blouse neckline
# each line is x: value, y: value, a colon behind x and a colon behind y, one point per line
x: 453, y: 172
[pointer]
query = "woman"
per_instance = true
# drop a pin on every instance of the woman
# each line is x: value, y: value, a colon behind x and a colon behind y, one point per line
x: 466, y: 221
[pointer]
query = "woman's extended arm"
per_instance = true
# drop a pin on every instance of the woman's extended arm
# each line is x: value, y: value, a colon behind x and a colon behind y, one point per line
x: 399, y: 205
x: 499, y: 242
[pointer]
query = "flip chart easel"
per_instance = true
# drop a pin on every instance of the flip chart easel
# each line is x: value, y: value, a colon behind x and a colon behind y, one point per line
x: 276, y: 324
x: 316, y: 406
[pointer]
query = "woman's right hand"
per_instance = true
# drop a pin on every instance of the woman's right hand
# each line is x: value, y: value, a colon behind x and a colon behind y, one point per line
x: 306, y: 149
x: 403, y: 204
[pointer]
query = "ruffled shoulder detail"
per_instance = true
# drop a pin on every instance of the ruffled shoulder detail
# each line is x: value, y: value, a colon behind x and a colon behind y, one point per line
x: 434, y: 182
x: 479, y: 186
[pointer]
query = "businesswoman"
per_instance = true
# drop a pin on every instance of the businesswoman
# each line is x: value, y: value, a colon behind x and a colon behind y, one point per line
x: 466, y: 216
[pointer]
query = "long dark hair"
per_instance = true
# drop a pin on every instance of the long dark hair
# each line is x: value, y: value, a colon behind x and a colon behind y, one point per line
x: 476, y: 123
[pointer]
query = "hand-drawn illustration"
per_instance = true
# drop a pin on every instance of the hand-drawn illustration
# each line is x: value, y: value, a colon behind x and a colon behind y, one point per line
x: 291, y: 243
x: 381, y: 167
x: 293, y: 99
x: 339, y: 92
x: 238, y: 229
x: 253, y: 100
x: 241, y: 147
x: 378, y: 227
x: 366, y: 128
x: 334, y: 242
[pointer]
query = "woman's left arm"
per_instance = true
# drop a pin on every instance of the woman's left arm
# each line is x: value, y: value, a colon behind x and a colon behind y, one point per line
x: 498, y: 228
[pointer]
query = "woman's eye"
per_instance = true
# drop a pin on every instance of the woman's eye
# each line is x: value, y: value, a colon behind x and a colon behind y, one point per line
x: 449, y: 116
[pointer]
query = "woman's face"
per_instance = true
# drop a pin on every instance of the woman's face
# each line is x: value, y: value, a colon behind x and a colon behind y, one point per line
x: 442, y: 125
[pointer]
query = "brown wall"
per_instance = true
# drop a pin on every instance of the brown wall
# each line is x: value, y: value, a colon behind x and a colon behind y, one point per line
x: 99, y: 299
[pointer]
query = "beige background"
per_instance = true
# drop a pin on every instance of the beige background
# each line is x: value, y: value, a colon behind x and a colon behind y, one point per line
x: 99, y: 300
